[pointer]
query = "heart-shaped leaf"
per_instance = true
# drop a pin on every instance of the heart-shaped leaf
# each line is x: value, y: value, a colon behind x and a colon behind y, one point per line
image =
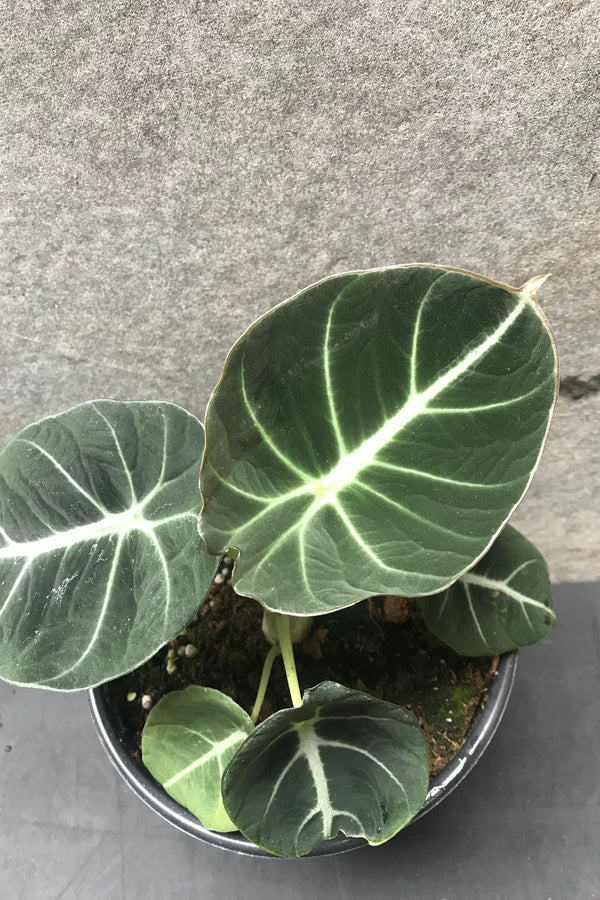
x: 342, y: 761
x: 374, y: 433
x: 504, y: 602
x: 100, y: 560
x: 188, y: 739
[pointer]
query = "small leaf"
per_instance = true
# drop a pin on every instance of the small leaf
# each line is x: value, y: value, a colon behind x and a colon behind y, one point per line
x: 342, y: 761
x: 100, y: 559
x: 372, y: 434
x: 188, y: 739
x: 504, y: 602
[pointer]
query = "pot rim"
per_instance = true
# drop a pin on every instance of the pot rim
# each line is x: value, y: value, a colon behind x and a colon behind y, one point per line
x: 141, y: 782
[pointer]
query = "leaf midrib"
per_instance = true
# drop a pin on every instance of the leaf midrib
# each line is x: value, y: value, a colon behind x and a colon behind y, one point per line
x: 503, y: 587
x: 349, y: 466
x: 216, y: 753
x: 309, y: 747
x: 114, y: 524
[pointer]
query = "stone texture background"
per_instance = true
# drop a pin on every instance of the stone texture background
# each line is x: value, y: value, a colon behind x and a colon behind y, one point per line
x: 170, y: 171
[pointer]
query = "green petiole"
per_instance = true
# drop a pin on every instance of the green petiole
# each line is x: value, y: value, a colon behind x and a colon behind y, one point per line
x: 264, y: 681
x: 287, y: 651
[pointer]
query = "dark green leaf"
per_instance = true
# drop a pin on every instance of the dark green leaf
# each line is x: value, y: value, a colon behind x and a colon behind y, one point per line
x: 504, y: 602
x: 374, y: 433
x: 188, y: 739
x: 342, y: 761
x: 100, y: 559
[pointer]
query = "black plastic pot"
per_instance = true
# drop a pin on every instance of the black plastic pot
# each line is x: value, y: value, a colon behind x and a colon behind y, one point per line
x: 143, y: 784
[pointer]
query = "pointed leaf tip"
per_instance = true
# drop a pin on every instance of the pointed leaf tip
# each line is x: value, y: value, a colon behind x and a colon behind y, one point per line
x: 531, y: 287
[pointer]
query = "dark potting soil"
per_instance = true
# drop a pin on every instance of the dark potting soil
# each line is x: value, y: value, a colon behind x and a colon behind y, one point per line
x: 379, y: 646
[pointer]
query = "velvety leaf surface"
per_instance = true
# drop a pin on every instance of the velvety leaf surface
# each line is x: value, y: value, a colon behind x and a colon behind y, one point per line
x: 100, y: 559
x: 372, y: 435
x: 188, y: 739
x: 504, y: 602
x: 343, y: 761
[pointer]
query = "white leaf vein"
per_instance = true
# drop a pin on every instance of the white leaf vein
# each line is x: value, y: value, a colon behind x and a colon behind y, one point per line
x: 120, y: 453
x: 65, y: 474
x: 216, y: 753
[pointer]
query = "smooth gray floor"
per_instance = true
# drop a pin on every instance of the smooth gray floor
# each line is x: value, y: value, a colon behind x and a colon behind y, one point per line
x: 525, y: 825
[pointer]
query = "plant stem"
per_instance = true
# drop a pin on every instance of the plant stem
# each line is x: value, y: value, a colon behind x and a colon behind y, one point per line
x: 287, y: 651
x: 264, y: 681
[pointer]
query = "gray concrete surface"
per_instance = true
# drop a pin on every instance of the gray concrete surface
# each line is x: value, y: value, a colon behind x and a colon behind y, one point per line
x: 525, y: 824
x: 171, y: 171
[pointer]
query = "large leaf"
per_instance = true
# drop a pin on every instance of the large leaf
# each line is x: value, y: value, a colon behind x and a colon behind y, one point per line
x: 100, y: 560
x: 188, y: 739
x: 504, y: 602
x: 340, y: 762
x: 374, y: 433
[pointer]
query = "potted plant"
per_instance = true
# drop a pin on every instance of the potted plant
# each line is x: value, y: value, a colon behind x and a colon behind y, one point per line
x: 370, y: 436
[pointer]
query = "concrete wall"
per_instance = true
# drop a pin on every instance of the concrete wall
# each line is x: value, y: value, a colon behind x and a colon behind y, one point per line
x: 173, y: 170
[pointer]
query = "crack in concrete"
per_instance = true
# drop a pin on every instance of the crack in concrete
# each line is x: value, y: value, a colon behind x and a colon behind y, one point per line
x: 575, y: 388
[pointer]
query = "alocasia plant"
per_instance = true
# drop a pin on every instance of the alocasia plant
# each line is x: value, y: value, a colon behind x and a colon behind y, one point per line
x: 372, y: 435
